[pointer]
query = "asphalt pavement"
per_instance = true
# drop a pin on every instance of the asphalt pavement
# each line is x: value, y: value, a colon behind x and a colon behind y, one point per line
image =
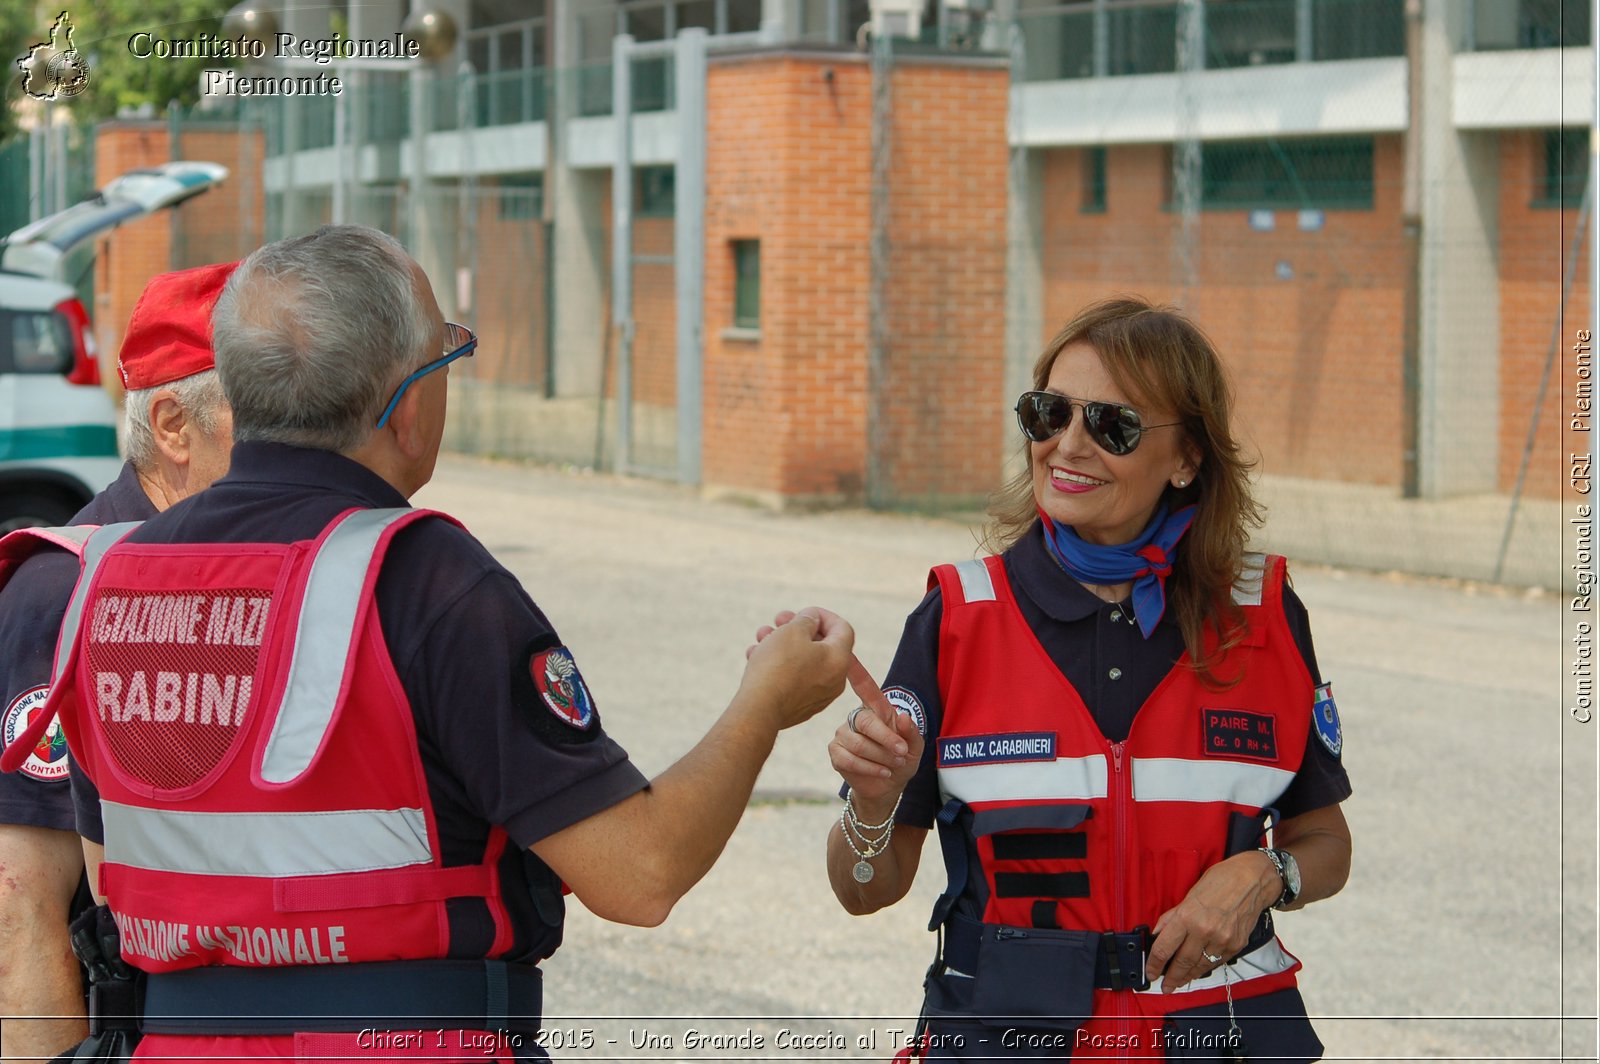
x: 1467, y: 930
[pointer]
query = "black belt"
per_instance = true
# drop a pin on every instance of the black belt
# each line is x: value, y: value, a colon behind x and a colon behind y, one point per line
x: 389, y: 995
x: 1119, y: 955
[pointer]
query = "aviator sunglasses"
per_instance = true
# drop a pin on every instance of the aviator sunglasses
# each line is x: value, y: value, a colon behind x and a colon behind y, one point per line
x: 1115, y: 429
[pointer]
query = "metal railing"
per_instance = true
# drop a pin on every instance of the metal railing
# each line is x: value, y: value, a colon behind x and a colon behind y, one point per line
x: 1133, y: 37
x: 1497, y: 25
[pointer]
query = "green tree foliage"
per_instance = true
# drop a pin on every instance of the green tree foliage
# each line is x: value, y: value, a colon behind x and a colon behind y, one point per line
x: 101, y: 32
x: 122, y: 79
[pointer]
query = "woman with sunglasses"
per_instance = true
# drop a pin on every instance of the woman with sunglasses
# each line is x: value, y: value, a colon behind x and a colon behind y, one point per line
x: 1116, y: 706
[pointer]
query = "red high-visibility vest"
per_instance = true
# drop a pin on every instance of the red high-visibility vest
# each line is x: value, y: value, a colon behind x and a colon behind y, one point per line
x: 256, y: 756
x: 1076, y: 832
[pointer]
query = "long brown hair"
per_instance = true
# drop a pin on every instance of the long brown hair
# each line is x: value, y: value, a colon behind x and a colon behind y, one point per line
x: 1157, y: 355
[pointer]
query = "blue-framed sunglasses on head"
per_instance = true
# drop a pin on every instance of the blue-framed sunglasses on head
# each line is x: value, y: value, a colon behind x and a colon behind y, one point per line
x: 459, y: 342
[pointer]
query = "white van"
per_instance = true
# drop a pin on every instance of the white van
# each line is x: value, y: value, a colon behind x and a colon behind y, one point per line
x: 58, y: 427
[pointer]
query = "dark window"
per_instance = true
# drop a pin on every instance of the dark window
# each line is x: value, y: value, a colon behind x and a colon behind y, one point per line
x: 493, y: 12
x: 1355, y: 29
x: 521, y: 197
x: 1566, y: 168
x: 744, y: 16
x: 1094, y: 181
x: 1142, y: 40
x: 1249, y: 32
x: 1331, y: 172
x: 747, y: 284
x: 1497, y: 24
x: 1060, y: 39
x: 655, y: 196
x: 701, y: 13
x: 35, y: 341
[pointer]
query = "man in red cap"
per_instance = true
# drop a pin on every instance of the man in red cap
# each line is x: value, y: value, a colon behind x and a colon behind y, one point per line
x: 179, y: 432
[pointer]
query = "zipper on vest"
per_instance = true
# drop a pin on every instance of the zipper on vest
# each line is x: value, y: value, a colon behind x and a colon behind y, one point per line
x: 1120, y: 801
x: 1003, y: 933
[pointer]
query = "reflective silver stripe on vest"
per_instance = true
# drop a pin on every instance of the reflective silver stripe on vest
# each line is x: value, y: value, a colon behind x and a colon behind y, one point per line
x: 1267, y: 959
x: 1175, y: 779
x: 78, y: 534
x: 322, y: 642
x: 95, y: 546
x: 264, y: 844
x: 1066, y: 778
x: 1252, y: 574
x: 976, y: 584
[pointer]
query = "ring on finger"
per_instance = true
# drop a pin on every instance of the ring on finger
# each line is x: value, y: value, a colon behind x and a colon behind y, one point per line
x: 1211, y: 957
x: 850, y: 720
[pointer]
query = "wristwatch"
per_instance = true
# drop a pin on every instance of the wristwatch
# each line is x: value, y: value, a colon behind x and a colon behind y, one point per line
x: 1288, y: 871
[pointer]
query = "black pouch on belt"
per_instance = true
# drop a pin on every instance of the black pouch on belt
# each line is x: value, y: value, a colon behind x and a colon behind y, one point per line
x: 1035, y: 977
x: 114, y: 988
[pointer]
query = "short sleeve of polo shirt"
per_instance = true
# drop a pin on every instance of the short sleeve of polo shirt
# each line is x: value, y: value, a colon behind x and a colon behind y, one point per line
x: 916, y: 669
x: 471, y: 649
x: 31, y: 607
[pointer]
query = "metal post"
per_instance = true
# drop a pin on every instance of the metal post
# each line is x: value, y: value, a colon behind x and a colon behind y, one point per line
x: 1304, y: 45
x: 421, y: 122
x: 1411, y: 235
x: 341, y: 131
x: 689, y: 244
x: 58, y: 132
x: 37, y: 146
x: 622, y: 239
x: 1102, y: 39
x: 1186, y: 158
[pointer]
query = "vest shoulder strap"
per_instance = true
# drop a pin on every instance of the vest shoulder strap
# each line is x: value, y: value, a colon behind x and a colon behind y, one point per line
x: 90, y: 544
x: 1252, y: 576
x: 343, y: 573
x: 964, y: 582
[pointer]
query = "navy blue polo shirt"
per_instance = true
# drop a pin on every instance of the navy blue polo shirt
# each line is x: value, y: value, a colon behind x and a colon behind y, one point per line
x: 31, y: 607
x: 461, y: 632
x: 1098, y: 648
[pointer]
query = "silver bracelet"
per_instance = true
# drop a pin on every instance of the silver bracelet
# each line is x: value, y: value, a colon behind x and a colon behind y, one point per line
x: 852, y: 829
x: 850, y: 808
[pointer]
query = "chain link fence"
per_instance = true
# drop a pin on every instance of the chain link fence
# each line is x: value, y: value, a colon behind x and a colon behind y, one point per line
x: 1286, y: 239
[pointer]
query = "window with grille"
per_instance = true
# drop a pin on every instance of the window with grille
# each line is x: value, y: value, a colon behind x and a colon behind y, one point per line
x: 1326, y: 172
x: 747, y: 284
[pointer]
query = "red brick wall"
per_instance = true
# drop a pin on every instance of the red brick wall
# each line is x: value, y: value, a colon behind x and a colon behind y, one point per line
x: 1534, y: 245
x: 940, y: 406
x: 655, y: 307
x: 1315, y: 358
x: 217, y: 226
x: 789, y: 163
x: 508, y: 295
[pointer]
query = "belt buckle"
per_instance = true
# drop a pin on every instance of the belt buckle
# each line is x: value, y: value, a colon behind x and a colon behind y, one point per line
x: 1124, y: 949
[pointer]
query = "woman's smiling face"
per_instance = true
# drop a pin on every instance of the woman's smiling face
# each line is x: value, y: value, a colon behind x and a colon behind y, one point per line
x: 1106, y: 498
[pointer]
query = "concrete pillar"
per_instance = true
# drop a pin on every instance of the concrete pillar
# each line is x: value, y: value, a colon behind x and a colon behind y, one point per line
x: 1459, y: 334
x: 780, y: 21
x: 577, y: 201
x: 433, y: 222
x: 369, y: 20
x: 1024, y: 276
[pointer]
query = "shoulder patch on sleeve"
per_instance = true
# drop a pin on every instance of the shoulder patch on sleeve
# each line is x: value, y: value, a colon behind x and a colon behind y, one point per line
x: 546, y: 683
x: 48, y: 760
x: 905, y: 701
x: 1325, y: 718
x: 556, y: 677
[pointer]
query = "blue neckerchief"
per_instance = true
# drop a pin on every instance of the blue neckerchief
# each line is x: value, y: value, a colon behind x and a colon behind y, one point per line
x: 1146, y: 560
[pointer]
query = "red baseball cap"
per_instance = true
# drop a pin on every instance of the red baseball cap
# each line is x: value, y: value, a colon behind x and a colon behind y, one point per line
x: 169, y: 334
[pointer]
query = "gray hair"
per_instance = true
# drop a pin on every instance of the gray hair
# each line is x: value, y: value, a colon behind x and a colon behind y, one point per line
x: 200, y: 396
x: 314, y: 333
